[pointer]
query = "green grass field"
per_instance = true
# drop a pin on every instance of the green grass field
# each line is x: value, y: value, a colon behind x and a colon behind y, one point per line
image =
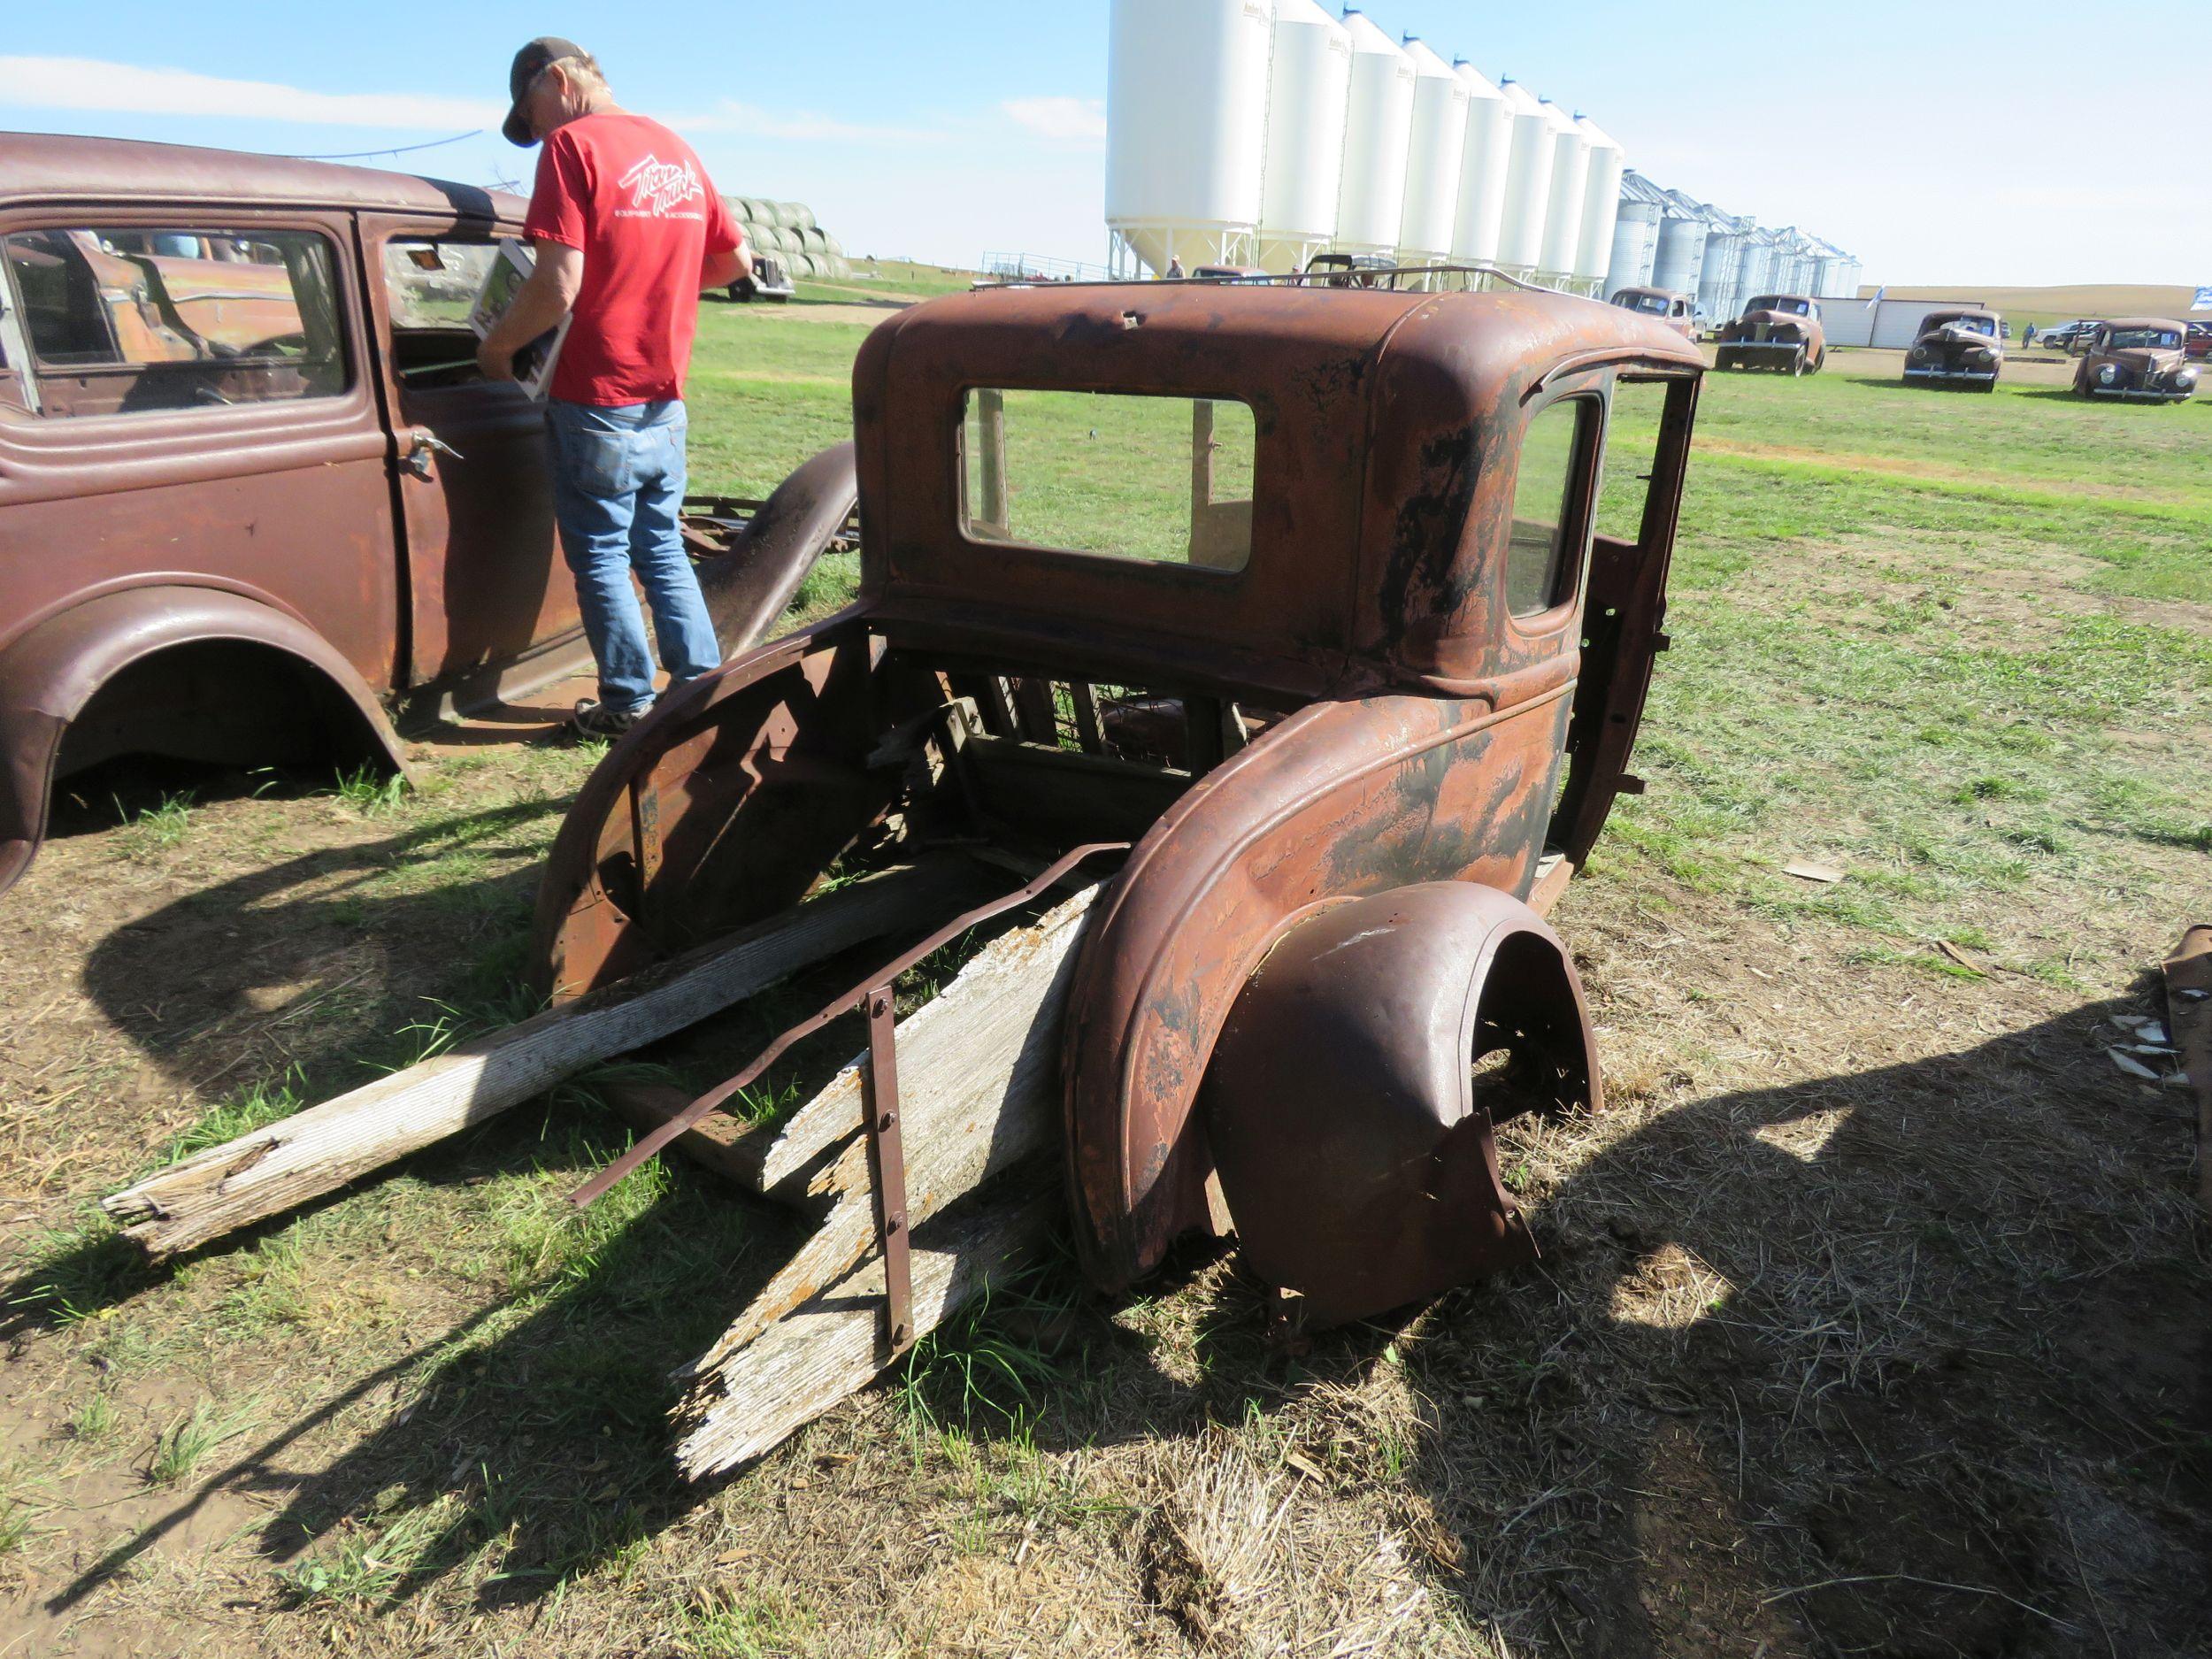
x: 1959, y: 649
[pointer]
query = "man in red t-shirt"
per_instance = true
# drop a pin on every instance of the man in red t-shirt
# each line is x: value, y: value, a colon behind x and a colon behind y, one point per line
x: 628, y: 232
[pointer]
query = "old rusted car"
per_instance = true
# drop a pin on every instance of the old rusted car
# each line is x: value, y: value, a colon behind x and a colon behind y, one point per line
x: 257, y: 503
x: 2136, y: 359
x: 1781, y: 332
x: 1678, y: 312
x: 1957, y: 348
x: 1293, y: 641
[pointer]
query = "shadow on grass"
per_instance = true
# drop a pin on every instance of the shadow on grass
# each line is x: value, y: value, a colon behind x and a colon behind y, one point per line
x: 1912, y: 1322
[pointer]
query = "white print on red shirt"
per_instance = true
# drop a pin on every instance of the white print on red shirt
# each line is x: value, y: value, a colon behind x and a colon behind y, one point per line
x: 656, y: 187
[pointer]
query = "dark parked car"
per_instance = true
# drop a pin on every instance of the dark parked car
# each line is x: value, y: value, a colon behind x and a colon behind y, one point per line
x: 257, y: 503
x: 2199, y: 342
x: 1959, y: 348
x: 1781, y: 332
x: 2136, y: 359
x: 770, y: 281
x: 2072, y: 337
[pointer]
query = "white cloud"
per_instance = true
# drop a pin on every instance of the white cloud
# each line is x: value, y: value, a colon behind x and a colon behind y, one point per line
x: 1064, y: 121
x: 88, y: 83
x: 752, y: 121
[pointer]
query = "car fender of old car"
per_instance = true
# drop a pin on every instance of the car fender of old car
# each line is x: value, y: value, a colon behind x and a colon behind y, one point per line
x: 126, y: 658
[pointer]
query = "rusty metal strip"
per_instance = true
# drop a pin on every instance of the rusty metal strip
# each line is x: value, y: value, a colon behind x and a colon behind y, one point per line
x: 887, y: 1165
x: 2189, y: 1025
x: 843, y: 1002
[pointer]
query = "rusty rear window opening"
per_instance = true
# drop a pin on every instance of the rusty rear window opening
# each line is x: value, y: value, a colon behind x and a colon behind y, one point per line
x: 124, y: 322
x: 1161, y: 479
x: 1550, y: 525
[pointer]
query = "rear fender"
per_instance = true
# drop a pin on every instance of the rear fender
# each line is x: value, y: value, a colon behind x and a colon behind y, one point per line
x: 1342, y: 800
x: 50, y: 673
x: 722, y: 806
x: 1352, y: 1091
x: 748, y: 588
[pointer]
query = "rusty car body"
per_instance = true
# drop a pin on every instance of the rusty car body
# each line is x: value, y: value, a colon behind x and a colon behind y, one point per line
x: 1678, y: 312
x: 1336, y: 741
x: 2136, y: 359
x: 1957, y: 348
x: 257, y: 503
x: 1781, y: 332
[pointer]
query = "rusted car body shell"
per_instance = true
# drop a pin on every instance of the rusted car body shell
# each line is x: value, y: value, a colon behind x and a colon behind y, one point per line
x: 1950, y: 350
x: 2137, y: 374
x: 1422, y: 734
x: 1678, y: 314
x: 1768, y: 337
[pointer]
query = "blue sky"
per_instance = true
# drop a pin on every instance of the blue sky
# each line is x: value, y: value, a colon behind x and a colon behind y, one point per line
x: 1939, y: 144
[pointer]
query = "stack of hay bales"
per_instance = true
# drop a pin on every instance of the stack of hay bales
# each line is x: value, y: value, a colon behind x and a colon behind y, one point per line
x: 787, y: 230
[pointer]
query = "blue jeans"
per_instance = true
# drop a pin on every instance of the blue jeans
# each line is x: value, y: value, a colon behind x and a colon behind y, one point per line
x: 618, y: 487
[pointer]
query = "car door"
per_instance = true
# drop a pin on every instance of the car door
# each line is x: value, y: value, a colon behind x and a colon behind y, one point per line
x: 191, y: 403
x: 485, y: 586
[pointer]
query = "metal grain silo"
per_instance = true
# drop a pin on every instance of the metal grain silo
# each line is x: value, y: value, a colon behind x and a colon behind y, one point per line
x: 1723, y: 268
x: 1436, y: 144
x: 1680, y: 258
x: 1760, y: 251
x: 1635, y: 234
x: 1601, y: 201
x: 1186, y: 117
x: 1570, y: 183
x: 1378, y: 126
x: 1527, y: 180
x: 1306, y: 92
x: 1482, y: 168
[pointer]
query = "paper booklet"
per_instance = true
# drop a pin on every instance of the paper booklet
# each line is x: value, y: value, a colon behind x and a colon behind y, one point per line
x: 534, y: 364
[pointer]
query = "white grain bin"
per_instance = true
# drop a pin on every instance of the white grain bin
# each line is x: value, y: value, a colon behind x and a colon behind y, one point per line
x: 1186, y: 117
x: 1569, y: 181
x: 1306, y: 95
x: 1601, y: 201
x: 1527, y: 180
x: 1435, y: 147
x: 1723, y: 268
x: 1757, y: 277
x: 1378, y: 126
x: 1680, y: 258
x: 1635, y: 246
x: 1482, y: 168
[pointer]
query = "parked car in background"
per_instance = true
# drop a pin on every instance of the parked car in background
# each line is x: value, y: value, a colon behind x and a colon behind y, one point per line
x: 1777, y: 331
x: 1347, y: 269
x: 1957, y: 348
x: 2197, y: 342
x: 1226, y: 273
x: 1678, y: 312
x: 258, y: 504
x: 771, y: 280
x: 2138, y: 359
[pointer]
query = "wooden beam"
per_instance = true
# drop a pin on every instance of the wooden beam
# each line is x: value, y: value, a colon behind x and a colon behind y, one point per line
x: 743, y: 1403
x: 979, y: 1073
x: 322, y: 1149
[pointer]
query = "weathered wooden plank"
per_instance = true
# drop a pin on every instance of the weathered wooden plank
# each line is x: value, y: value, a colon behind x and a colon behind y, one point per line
x: 322, y: 1149
x: 749, y: 1401
x: 720, y: 1144
x: 957, y: 1052
x: 978, y: 1092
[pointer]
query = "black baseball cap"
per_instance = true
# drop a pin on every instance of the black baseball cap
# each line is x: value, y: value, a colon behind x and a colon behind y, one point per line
x: 530, y: 63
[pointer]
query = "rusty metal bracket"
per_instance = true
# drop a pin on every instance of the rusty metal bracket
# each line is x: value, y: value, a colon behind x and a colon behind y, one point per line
x: 886, y: 1164
x: 841, y: 1004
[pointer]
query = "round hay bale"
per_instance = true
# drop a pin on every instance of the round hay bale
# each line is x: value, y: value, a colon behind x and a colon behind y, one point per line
x: 816, y: 241
x: 840, y: 268
x: 832, y: 245
x: 766, y: 212
x: 798, y: 215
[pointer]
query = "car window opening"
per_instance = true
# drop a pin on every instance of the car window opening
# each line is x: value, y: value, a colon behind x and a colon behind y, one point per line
x: 137, y: 320
x: 1163, y: 480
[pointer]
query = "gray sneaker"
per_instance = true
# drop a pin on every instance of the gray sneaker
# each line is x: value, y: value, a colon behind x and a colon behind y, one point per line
x: 596, y: 719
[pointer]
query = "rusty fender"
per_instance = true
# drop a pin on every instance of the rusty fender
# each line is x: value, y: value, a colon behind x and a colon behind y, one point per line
x: 720, y: 808
x: 49, y: 673
x: 1343, y: 1106
x: 748, y: 588
x: 1343, y: 800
